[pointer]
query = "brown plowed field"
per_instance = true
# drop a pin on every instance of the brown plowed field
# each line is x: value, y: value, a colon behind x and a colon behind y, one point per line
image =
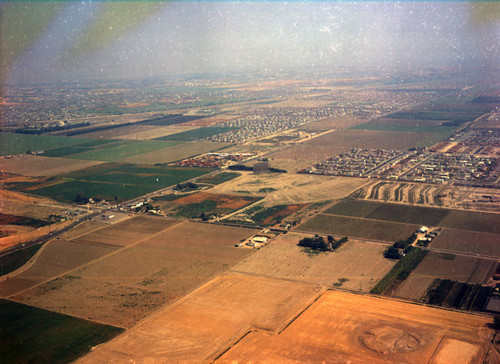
x: 333, y: 123
x: 34, y: 165
x: 468, y: 241
x: 126, y: 286
x: 445, y: 266
x: 348, y: 328
x: 357, y: 227
x: 206, y: 321
x: 358, y: 266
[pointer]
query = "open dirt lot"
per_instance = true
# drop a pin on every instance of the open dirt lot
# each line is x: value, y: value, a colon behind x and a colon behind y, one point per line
x: 136, y: 132
x: 222, y: 201
x: 358, y: 266
x: 175, y: 153
x: 331, y: 144
x: 468, y: 241
x: 33, y: 165
x: 445, y: 266
x: 290, y: 188
x: 349, y: 328
x: 126, y: 286
x: 357, y: 227
x: 200, y: 325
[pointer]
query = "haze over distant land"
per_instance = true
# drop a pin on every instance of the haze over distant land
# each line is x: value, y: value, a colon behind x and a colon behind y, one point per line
x: 52, y: 40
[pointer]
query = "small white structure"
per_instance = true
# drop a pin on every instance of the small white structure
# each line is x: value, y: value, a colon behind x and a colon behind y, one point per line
x: 259, y: 239
x: 423, y: 229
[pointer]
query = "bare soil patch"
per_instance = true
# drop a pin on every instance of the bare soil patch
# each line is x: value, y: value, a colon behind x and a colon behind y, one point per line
x: 366, y: 329
x: 166, y: 267
x: 232, y: 202
x: 34, y: 166
x: 355, y: 266
x: 204, y: 322
x: 333, y: 123
x: 288, y: 188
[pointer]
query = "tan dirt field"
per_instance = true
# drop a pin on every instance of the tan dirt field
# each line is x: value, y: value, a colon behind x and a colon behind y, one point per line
x: 468, y: 242
x: 348, y: 328
x: 122, y: 288
x: 359, y: 265
x: 445, y: 266
x: 331, y: 144
x: 140, y: 132
x: 213, y: 120
x: 34, y: 165
x: 198, y: 326
x: 303, y: 103
x: 21, y: 234
x: 333, y: 123
x: 174, y: 153
x: 291, y: 188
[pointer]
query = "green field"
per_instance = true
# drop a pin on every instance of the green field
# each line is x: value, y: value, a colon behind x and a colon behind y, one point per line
x: 87, y: 146
x: 218, y: 178
x: 400, y: 271
x: 389, y: 212
x: 357, y: 228
x: 442, y: 130
x: 123, y: 181
x: 32, y: 335
x: 456, y: 116
x: 125, y: 149
x: 11, y: 143
x: 197, y: 134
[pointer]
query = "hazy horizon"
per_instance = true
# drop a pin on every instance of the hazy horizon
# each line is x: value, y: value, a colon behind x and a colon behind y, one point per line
x: 53, y: 41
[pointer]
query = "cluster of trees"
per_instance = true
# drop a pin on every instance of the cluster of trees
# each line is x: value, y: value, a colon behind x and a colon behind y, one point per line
x: 394, y: 251
x: 187, y: 186
x: 319, y: 243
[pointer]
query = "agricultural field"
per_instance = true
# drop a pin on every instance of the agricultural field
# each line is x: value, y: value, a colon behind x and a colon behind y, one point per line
x: 174, y: 153
x: 355, y: 266
x: 219, y: 178
x: 33, y: 166
x: 288, y: 188
x: 474, y: 221
x: 125, y: 149
x: 197, y: 134
x: 30, y: 334
x: 468, y: 242
x: 169, y: 262
x: 194, y: 204
x: 332, y: 123
x: 369, y: 329
x: 389, y: 212
x: 445, y: 266
x: 136, y: 132
x: 469, y: 198
x: 354, y: 227
x: 110, y: 181
x: 409, y: 125
x: 225, y: 309
x: 331, y: 144
x: 11, y: 143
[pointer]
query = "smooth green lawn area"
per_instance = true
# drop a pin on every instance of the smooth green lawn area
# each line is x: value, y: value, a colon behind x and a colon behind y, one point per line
x: 197, y: 134
x: 123, y: 181
x: 13, y: 143
x: 123, y: 150
x: 32, y: 335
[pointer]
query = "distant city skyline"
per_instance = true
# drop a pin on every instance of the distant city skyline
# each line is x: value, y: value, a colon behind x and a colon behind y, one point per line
x: 52, y: 41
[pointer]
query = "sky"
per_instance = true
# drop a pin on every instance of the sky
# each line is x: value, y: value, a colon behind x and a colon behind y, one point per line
x: 44, y: 41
